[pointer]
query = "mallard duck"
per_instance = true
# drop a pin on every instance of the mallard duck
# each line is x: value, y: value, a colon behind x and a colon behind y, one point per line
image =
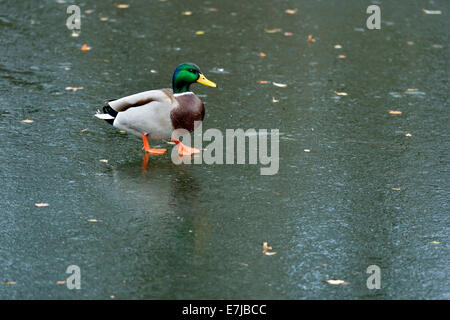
x: 155, y: 114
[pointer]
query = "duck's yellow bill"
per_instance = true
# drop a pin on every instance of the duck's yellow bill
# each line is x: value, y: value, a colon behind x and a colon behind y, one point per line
x: 202, y: 79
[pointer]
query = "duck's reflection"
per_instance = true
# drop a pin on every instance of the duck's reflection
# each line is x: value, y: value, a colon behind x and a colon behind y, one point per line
x: 164, y: 213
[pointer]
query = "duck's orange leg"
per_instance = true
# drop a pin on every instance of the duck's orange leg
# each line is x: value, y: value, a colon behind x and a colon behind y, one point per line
x: 153, y: 151
x: 184, y: 150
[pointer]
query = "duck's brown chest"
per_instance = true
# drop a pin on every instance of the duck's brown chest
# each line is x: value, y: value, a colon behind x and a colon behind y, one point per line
x: 190, y: 109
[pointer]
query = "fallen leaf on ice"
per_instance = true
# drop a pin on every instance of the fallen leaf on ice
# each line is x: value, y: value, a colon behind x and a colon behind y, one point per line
x: 122, y: 6
x: 122, y: 131
x: 341, y: 56
x: 262, y: 54
x: 75, y: 34
x: 212, y: 9
x: 74, y: 88
x: 92, y: 220
x: 89, y: 11
x: 266, y: 249
x: 291, y: 11
x: 262, y: 81
x: 311, y: 39
x: 411, y: 90
x: 394, y: 112
x: 435, y: 242
x: 103, y: 19
x: 275, y: 100
x: 40, y: 205
x: 396, y: 189
x: 103, y: 160
x: 280, y: 85
x: 432, y: 11
x: 340, y: 93
x: 84, y: 130
x: 338, y: 46
x: 306, y: 150
x: 408, y: 134
x: 288, y: 34
x: 410, y: 43
x: 85, y: 47
x: 27, y: 121
x: 200, y: 32
x: 10, y: 282
x: 337, y: 282
x: 186, y: 13
x: 242, y: 263
x: 60, y: 282
x: 272, y: 30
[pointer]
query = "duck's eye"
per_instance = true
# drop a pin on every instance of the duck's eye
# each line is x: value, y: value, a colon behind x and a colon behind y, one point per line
x: 192, y: 70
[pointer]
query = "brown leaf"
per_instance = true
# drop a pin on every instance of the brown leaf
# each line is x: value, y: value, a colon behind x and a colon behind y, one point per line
x: 311, y: 39
x: 432, y: 11
x: 85, y: 47
x: 266, y: 249
x: 40, y: 205
x: 394, y: 112
x: 337, y: 282
x: 266, y: 246
x: 280, y: 85
x: 291, y: 11
x: 272, y: 30
x: 27, y: 121
x: 122, y: 6
x: 262, y: 54
x: 74, y: 88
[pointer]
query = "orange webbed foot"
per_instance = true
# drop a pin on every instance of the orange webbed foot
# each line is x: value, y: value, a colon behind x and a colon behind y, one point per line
x: 152, y: 151
x: 185, y: 150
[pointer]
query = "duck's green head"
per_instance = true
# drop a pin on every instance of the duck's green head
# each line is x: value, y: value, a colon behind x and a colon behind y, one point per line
x: 185, y: 75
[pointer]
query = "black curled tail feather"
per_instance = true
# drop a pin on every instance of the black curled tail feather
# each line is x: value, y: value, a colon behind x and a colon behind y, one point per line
x: 108, y: 110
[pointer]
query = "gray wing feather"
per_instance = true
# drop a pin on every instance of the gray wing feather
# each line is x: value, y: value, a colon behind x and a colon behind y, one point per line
x: 142, y: 98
